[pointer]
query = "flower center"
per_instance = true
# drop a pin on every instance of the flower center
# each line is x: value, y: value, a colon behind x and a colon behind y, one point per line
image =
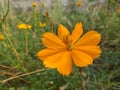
x: 69, y: 47
x: 68, y: 42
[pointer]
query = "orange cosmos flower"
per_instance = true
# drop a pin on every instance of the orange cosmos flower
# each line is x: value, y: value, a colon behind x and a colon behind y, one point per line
x: 62, y: 51
x: 118, y: 9
x: 1, y: 37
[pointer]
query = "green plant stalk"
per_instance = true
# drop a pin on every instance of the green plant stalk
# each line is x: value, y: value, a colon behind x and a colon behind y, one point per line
x: 11, y: 44
x: 26, y: 41
x: 6, y: 14
x: 60, y: 9
x: 35, y: 21
x: 6, y: 11
x: 22, y: 75
x: 35, y: 17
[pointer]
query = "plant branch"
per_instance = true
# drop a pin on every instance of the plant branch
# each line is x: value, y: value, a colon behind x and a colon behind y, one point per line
x: 6, y: 11
x: 25, y: 74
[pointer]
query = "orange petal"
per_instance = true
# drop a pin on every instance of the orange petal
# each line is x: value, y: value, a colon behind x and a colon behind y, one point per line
x: 90, y: 38
x: 77, y: 32
x: 62, y: 31
x: 65, y: 65
x: 43, y: 54
x: 50, y: 40
x: 93, y: 51
x: 54, y: 60
x: 81, y: 59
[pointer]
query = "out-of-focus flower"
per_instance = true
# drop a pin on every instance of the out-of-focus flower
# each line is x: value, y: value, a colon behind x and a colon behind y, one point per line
x: 42, y: 24
x: 24, y: 26
x: 34, y: 4
x: 1, y: 37
x: 118, y: 9
x: 65, y: 49
x: 37, y: 13
x: 42, y: 5
x: 79, y: 3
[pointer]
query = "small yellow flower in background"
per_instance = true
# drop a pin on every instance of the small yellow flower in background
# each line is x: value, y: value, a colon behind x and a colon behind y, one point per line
x: 42, y: 5
x: 1, y: 37
x: 118, y: 9
x: 41, y: 24
x: 34, y: 4
x: 63, y: 50
x: 24, y: 26
x: 79, y: 3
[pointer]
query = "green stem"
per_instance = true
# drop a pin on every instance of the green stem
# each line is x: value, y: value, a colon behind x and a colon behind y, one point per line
x: 11, y: 44
x: 26, y: 41
x: 7, y: 11
x: 22, y: 75
x: 60, y: 9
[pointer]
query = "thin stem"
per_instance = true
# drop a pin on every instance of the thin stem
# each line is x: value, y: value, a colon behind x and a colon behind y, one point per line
x: 29, y: 73
x: 26, y: 41
x: 7, y: 11
x: 35, y: 22
x: 7, y: 67
x: 60, y: 9
x: 11, y: 44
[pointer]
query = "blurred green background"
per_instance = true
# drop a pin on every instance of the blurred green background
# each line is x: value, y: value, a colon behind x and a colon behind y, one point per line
x: 19, y: 47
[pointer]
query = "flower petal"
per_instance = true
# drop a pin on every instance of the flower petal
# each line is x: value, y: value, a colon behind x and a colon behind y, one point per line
x: 93, y: 51
x: 90, y: 38
x: 77, y: 32
x: 45, y: 53
x: 81, y: 59
x: 50, y: 40
x: 62, y: 31
x: 62, y: 61
x: 53, y: 60
x: 65, y: 65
